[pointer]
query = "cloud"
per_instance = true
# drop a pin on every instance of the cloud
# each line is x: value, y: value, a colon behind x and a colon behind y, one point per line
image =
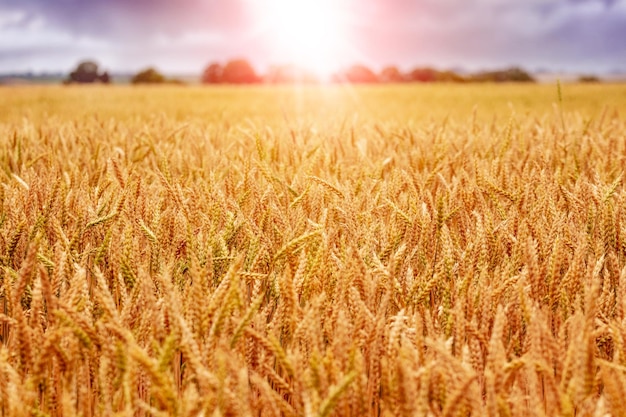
x: 127, y: 34
x: 122, y: 18
x: 576, y: 34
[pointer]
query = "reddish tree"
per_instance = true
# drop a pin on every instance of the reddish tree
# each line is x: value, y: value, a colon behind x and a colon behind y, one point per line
x: 239, y: 71
x: 213, y: 74
x: 391, y: 75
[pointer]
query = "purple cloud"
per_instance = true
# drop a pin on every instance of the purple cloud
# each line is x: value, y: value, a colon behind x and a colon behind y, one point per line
x: 186, y: 34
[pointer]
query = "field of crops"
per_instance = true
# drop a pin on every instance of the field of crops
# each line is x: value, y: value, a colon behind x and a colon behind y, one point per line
x: 424, y: 250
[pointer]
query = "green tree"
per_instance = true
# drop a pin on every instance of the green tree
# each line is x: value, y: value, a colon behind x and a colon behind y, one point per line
x: 450, y: 77
x: 148, y: 76
x: 514, y: 74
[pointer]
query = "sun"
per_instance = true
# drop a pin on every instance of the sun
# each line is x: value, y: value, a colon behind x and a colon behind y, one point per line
x: 306, y: 33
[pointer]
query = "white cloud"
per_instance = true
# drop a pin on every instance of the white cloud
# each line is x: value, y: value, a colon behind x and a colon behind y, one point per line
x: 10, y: 18
x: 200, y: 38
x: 129, y: 34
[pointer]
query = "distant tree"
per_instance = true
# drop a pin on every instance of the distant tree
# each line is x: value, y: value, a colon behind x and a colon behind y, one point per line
x: 430, y: 75
x: 589, y: 79
x: 148, y: 76
x: 391, y: 75
x: 105, y: 78
x: 239, y: 71
x: 87, y: 72
x: 423, y: 75
x: 514, y: 74
x: 213, y: 74
x: 518, y: 75
x: 290, y: 74
x: 359, y: 74
x: 450, y: 77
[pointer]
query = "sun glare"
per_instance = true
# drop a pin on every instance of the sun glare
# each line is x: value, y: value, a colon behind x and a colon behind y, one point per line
x: 305, y: 33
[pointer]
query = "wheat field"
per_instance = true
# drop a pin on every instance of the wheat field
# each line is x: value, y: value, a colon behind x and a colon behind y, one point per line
x: 321, y: 251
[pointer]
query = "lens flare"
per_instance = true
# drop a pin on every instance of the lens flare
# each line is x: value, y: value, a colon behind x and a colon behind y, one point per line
x: 307, y: 33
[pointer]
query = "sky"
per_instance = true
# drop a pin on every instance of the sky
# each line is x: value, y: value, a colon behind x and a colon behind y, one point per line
x: 183, y: 36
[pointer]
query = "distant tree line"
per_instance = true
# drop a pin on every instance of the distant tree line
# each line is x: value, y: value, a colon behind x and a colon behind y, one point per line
x: 87, y: 72
x: 237, y: 71
x: 240, y: 71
